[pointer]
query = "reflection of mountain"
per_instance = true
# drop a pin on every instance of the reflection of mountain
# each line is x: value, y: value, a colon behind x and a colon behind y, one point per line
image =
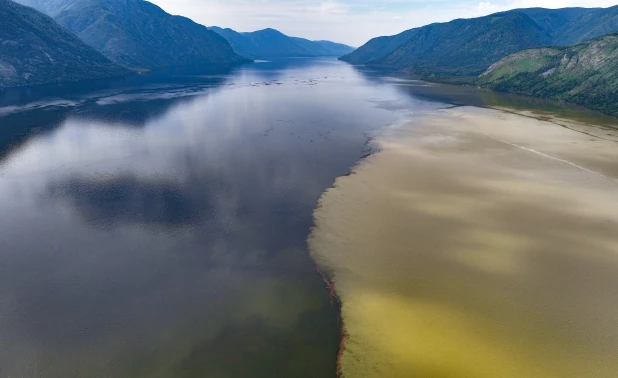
x: 276, y: 69
x: 20, y: 127
x: 129, y: 101
x: 133, y: 101
x: 471, y: 96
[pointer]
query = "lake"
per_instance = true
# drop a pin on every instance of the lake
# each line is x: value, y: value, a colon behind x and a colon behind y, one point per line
x: 157, y: 225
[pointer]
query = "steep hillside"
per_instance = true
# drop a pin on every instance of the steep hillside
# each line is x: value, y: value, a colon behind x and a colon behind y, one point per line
x: 378, y: 47
x: 550, y: 20
x: 465, y: 48
x: 34, y: 49
x: 554, y: 20
x: 270, y: 43
x: 138, y: 34
x: 588, y: 26
x: 585, y: 74
x: 462, y: 49
x: 49, y: 7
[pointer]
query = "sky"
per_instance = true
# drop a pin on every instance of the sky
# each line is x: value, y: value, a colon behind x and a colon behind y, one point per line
x: 353, y: 22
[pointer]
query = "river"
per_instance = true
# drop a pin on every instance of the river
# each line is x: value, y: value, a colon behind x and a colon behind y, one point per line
x: 157, y: 226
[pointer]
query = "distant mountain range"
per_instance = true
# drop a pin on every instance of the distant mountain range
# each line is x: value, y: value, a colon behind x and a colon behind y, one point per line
x: 585, y: 74
x: 271, y: 43
x: 84, y: 38
x: 461, y: 50
x: 90, y: 39
x: 139, y: 35
x: 34, y: 49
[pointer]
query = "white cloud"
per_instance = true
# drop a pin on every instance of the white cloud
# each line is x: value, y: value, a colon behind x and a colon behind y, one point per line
x: 332, y: 7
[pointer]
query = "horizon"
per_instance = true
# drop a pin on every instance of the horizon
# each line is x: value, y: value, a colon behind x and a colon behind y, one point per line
x: 346, y: 21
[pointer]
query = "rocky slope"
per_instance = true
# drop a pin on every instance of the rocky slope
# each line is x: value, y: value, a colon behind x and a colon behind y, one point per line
x: 34, y: 49
x: 585, y: 74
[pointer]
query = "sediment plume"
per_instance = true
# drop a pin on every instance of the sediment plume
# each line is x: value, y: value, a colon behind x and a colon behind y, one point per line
x: 476, y: 243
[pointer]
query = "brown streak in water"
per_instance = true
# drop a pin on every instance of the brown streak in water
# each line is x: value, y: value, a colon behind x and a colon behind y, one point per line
x: 364, y: 157
x: 336, y: 301
x: 334, y: 298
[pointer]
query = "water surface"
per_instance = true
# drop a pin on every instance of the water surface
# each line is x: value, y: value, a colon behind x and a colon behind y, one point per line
x: 477, y: 243
x: 156, y: 226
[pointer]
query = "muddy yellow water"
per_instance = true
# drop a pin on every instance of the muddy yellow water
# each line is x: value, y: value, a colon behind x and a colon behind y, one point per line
x: 477, y: 243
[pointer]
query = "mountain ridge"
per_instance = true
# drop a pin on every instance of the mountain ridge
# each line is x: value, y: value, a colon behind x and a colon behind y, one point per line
x: 140, y: 35
x: 34, y: 49
x: 486, y: 39
x: 271, y: 43
x: 461, y: 49
x: 590, y: 26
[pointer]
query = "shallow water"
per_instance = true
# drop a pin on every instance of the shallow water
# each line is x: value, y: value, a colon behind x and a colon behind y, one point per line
x: 476, y: 243
x: 156, y: 226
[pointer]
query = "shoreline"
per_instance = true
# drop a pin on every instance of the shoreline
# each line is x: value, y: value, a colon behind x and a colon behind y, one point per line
x: 484, y: 90
x: 466, y: 84
x: 318, y: 256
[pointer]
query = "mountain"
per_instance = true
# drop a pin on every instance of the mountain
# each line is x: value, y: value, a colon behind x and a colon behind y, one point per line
x: 49, y: 7
x: 324, y: 48
x: 589, y: 26
x: 271, y: 43
x: 465, y: 48
x: 138, y: 34
x: 553, y: 21
x: 34, y: 49
x: 379, y: 47
x: 585, y: 74
x: 462, y: 49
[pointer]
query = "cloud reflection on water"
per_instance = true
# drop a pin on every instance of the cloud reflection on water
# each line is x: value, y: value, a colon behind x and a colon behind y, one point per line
x: 173, y: 243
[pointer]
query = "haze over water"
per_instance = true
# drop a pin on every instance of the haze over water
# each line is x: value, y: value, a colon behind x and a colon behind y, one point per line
x: 157, y: 226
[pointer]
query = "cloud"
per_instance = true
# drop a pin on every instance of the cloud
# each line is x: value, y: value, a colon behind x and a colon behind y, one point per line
x: 332, y: 7
x: 348, y: 21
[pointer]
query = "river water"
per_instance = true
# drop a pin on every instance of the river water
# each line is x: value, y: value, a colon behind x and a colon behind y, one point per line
x: 157, y: 226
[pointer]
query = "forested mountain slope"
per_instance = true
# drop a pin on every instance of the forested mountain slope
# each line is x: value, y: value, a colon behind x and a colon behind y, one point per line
x: 139, y: 34
x: 588, y: 26
x: 462, y: 49
x: 465, y: 47
x: 34, y: 49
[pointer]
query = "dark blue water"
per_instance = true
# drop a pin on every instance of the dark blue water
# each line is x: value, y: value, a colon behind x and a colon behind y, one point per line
x: 156, y: 226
